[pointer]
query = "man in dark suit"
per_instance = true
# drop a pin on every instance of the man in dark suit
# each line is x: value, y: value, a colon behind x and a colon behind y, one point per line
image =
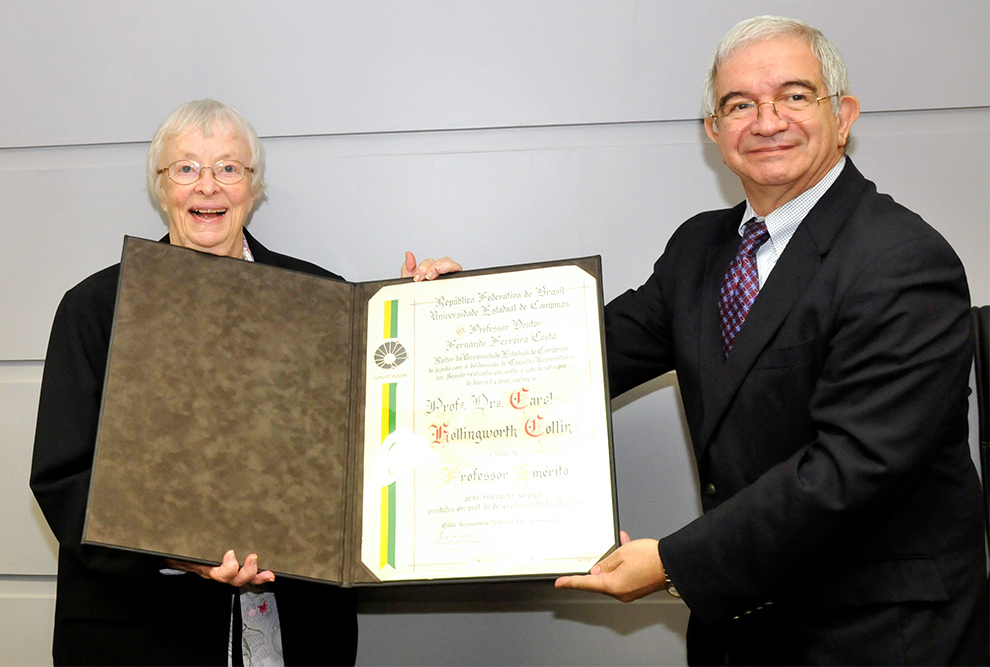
x: 820, y: 336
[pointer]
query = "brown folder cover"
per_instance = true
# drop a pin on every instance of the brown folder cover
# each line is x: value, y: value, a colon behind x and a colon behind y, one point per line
x: 233, y: 413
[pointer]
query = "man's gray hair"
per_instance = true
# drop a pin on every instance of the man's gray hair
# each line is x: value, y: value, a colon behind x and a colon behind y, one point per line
x: 762, y: 28
x: 208, y: 116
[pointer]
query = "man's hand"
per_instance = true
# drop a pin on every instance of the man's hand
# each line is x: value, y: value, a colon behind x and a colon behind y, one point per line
x: 628, y: 573
x: 227, y: 572
x: 428, y: 269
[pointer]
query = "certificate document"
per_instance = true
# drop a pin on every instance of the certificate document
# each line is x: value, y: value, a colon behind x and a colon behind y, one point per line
x: 486, y: 446
x: 356, y: 433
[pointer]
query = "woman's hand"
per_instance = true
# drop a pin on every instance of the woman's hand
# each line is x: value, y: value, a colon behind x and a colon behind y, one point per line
x: 428, y: 269
x: 229, y: 571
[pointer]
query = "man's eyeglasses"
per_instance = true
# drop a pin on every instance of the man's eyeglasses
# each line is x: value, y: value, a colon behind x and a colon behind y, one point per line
x: 792, y: 107
x: 185, y: 172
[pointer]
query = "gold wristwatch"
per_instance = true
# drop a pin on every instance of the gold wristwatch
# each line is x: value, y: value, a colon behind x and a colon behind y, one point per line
x: 668, y: 584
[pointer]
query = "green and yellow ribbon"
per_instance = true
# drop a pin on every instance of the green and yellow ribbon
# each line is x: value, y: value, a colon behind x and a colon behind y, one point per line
x: 387, y: 542
x: 391, y: 319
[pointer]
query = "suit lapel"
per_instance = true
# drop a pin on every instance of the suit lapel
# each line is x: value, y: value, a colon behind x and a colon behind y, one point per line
x: 800, y: 261
x: 712, y: 362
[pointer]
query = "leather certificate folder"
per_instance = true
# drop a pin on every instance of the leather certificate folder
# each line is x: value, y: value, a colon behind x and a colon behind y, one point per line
x: 356, y: 433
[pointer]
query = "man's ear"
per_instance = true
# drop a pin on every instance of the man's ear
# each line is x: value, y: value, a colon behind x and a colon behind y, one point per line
x: 848, y: 113
x: 711, y: 129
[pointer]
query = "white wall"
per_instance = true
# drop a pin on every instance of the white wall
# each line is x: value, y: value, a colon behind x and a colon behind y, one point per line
x: 495, y: 132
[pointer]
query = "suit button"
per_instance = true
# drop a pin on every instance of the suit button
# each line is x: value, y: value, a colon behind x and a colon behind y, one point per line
x: 711, y: 490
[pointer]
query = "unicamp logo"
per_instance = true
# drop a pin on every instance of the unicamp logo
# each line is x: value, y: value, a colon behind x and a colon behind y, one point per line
x: 390, y: 354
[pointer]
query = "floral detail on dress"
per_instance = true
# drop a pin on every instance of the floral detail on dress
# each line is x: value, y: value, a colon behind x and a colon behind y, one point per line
x: 261, y: 637
x: 246, y: 253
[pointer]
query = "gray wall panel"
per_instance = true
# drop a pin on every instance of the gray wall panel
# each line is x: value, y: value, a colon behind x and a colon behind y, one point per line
x: 486, y: 197
x: 63, y: 219
x: 607, y: 633
x: 28, y: 546
x: 112, y: 69
x: 27, y: 607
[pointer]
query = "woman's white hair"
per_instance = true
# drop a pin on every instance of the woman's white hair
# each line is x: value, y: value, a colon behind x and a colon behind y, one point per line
x: 762, y: 28
x: 208, y: 116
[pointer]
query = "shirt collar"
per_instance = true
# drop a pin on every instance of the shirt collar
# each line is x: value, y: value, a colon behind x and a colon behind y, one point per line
x: 784, y: 221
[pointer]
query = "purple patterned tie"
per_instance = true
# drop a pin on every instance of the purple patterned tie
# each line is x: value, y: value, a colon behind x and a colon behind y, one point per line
x: 741, y: 284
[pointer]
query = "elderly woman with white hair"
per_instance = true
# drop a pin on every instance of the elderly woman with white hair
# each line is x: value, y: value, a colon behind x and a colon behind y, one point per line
x: 206, y: 171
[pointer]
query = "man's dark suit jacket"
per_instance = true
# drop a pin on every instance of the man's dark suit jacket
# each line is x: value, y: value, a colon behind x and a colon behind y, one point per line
x: 831, y: 445
x: 117, y: 608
